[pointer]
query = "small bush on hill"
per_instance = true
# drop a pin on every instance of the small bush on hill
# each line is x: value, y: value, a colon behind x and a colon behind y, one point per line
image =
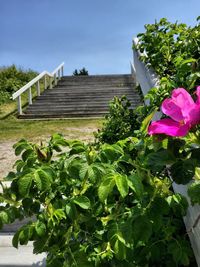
x: 120, y: 123
x: 11, y: 79
x: 82, y: 72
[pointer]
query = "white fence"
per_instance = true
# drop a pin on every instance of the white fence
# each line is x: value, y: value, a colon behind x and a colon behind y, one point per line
x: 53, y: 78
x: 147, y: 79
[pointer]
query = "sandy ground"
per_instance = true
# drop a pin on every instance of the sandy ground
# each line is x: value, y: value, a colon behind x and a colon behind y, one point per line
x: 8, y: 158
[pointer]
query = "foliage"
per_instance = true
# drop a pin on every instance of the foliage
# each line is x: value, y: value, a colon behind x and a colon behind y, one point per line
x: 11, y: 79
x: 173, y: 50
x: 120, y: 122
x: 81, y: 72
x: 105, y: 207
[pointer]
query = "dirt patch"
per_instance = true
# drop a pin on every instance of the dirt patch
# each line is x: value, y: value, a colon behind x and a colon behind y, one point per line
x: 7, y: 155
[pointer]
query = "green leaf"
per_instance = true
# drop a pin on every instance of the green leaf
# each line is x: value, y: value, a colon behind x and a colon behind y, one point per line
x: 106, y: 188
x: 120, y: 250
x: 71, y: 211
x: 4, y: 217
x: 178, y: 203
x: 40, y: 228
x: 194, y: 192
x: 112, y: 152
x: 24, y: 184
x: 15, y: 240
x: 82, y: 202
x: 146, y: 121
x: 38, y: 180
x: 43, y: 179
x: 20, y: 146
x: 142, y: 230
x: 183, y: 171
x: 135, y: 183
x: 122, y: 184
x: 157, y: 160
x: 26, y: 154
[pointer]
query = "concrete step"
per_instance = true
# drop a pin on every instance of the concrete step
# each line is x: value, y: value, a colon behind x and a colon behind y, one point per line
x: 70, y: 106
x: 21, y: 257
x: 63, y: 115
x: 89, y: 90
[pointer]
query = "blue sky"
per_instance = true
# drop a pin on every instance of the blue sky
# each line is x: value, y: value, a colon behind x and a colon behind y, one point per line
x: 95, y: 34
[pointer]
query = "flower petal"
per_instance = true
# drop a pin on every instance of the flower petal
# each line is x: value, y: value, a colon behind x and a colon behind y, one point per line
x: 198, y: 95
x: 168, y: 127
x: 182, y: 98
x: 194, y: 115
x: 170, y: 108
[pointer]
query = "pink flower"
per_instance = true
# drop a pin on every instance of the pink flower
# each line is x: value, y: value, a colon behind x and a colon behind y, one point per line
x: 184, y: 113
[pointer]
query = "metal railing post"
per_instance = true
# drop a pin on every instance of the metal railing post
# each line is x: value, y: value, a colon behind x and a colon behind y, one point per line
x: 59, y: 74
x: 30, y: 96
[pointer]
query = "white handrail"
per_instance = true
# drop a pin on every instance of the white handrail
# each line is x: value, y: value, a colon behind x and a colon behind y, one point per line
x: 54, y: 77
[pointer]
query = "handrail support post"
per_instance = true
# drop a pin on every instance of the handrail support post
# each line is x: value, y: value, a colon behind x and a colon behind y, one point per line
x: 30, y: 96
x: 45, y: 82
x: 19, y: 102
x: 38, y: 88
x: 55, y: 80
x: 62, y: 71
x: 50, y: 82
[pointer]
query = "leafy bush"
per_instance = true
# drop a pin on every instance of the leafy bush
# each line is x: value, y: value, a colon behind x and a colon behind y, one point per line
x: 97, y: 207
x: 11, y: 79
x: 120, y: 122
x: 172, y: 50
x: 82, y: 72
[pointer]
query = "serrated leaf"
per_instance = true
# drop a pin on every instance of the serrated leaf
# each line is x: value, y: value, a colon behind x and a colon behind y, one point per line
x: 194, y: 192
x: 183, y: 171
x: 157, y: 160
x: 38, y: 180
x: 26, y: 154
x: 40, y: 228
x: 39, y: 245
x: 106, y: 188
x: 112, y: 152
x: 43, y: 179
x: 4, y: 217
x: 15, y: 240
x: 71, y: 211
x: 122, y: 184
x: 20, y: 147
x: 82, y: 202
x: 120, y: 250
x: 146, y: 121
x: 24, y: 184
x: 142, y: 230
x: 135, y: 183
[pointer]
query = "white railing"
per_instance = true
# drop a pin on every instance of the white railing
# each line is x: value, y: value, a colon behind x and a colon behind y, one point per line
x: 53, y: 78
x: 147, y: 79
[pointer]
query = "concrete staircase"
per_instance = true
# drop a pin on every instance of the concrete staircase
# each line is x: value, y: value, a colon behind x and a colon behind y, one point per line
x: 82, y: 96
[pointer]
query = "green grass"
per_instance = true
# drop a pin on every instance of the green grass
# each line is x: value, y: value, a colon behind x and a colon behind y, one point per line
x: 12, y: 129
x: 10, y: 107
